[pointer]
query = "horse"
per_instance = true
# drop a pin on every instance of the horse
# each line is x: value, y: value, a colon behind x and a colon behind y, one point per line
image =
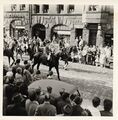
x: 31, y: 51
x: 66, y: 55
x: 52, y: 62
x: 9, y: 52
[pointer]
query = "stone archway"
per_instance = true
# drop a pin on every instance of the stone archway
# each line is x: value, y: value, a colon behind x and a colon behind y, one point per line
x: 60, y: 30
x: 17, y: 28
x: 39, y: 30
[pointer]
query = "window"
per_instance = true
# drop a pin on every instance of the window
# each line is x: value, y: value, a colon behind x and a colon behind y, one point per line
x: 60, y: 8
x: 22, y: 7
x: 13, y: 7
x: 45, y: 8
x: 70, y: 8
x: 36, y: 8
x: 93, y: 8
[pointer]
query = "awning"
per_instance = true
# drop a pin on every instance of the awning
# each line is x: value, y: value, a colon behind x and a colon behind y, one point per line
x: 18, y: 24
x: 63, y: 32
x: 20, y: 27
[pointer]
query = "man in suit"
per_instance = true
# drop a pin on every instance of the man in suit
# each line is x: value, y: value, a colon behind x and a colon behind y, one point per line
x: 16, y: 109
x: 46, y: 109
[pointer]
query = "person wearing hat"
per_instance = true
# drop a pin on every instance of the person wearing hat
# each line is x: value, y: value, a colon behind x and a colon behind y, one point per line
x: 46, y: 109
x: 16, y: 109
x: 77, y: 109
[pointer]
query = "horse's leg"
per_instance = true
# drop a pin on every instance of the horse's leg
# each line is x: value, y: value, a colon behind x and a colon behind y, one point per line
x: 57, y: 69
x: 16, y: 55
x: 48, y: 75
x: 34, y: 64
x: 66, y: 64
x: 9, y: 60
x: 13, y: 61
x: 38, y: 65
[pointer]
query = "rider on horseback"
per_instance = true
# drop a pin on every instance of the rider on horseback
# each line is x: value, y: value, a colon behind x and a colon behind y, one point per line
x: 47, y: 49
x: 50, y: 48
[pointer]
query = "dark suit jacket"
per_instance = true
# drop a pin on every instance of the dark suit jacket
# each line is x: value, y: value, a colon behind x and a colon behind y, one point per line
x: 16, y: 110
x: 77, y: 110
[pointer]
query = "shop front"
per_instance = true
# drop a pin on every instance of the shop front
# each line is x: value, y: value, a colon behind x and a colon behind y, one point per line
x: 17, y: 29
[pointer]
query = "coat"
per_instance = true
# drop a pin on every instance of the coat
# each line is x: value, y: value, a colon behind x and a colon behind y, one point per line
x: 31, y: 107
x: 16, y: 110
x: 77, y: 110
x: 45, y: 109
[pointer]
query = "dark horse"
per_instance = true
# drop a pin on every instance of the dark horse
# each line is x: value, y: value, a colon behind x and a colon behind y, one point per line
x: 66, y: 55
x: 9, y: 53
x: 53, y: 62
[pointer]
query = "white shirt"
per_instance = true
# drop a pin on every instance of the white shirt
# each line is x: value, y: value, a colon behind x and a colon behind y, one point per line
x: 94, y: 111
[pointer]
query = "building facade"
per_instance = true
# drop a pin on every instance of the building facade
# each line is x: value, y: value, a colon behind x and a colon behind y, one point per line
x: 93, y: 22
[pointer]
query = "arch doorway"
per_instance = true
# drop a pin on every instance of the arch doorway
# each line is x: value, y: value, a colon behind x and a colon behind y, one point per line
x: 60, y: 31
x: 39, y: 30
x: 17, y: 28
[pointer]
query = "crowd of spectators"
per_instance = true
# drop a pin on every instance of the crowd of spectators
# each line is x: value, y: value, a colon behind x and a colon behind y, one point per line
x: 91, y: 54
x: 19, y: 101
x: 80, y: 52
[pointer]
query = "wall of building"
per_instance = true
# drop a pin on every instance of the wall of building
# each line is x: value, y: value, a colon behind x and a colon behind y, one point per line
x: 17, y: 14
x: 79, y: 17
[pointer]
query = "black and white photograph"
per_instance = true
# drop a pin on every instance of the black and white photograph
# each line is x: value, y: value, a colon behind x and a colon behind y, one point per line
x: 58, y: 60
